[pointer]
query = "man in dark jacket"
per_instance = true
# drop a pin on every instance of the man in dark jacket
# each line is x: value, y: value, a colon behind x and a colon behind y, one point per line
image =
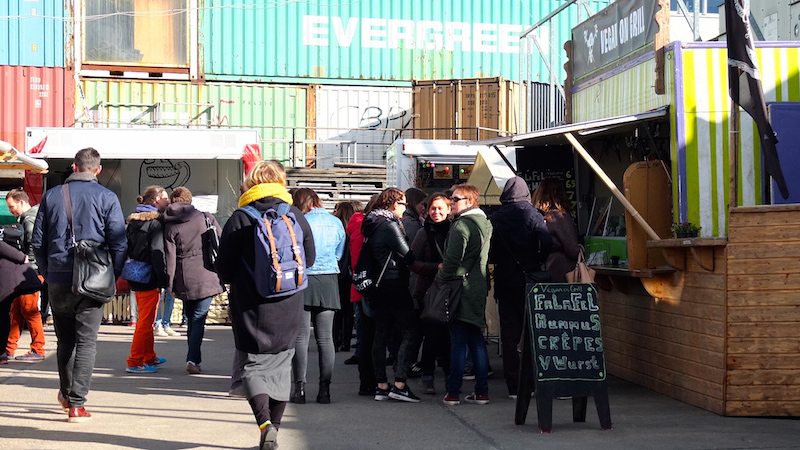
x: 519, y: 243
x: 25, y: 309
x: 97, y: 216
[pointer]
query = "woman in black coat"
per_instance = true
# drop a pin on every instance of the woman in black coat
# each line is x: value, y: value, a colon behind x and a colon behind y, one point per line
x: 188, y: 278
x: 264, y: 329
x: 18, y: 278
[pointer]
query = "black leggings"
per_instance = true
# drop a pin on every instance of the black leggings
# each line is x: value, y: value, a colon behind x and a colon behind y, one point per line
x: 5, y: 323
x: 267, y: 409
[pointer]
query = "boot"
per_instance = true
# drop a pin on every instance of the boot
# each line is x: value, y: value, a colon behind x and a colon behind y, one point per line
x: 299, y: 394
x: 324, y: 395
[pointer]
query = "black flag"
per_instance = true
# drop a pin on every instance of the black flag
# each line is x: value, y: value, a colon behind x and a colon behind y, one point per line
x: 744, y: 82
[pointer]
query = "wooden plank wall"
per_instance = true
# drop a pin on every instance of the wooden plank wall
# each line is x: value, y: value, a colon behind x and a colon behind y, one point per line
x: 763, y: 329
x: 674, y: 345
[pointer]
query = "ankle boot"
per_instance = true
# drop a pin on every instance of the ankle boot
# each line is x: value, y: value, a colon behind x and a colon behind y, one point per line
x: 324, y: 395
x: 299, y: 394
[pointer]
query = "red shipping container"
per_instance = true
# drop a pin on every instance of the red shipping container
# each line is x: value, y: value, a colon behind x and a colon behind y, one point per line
x: 34, y: 97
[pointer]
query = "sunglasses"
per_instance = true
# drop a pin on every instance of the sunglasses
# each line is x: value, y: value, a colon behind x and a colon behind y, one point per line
x: 457, y: 199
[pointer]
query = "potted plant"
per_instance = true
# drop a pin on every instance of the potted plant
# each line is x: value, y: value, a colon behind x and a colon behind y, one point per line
x: 685, y: 230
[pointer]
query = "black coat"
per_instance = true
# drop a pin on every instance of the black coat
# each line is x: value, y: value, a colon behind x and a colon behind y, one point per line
x: 17, y: 278
x: 183, y: 248
x: 260, y: 325
x: 146, y: 243
x: 387, y: 239
x: 428, y: 248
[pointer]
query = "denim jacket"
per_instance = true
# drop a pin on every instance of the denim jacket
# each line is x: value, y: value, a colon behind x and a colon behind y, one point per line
x: 328, y: 241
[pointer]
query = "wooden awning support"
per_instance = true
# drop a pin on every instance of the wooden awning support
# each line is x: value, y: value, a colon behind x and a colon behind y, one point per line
x: 614, y: 190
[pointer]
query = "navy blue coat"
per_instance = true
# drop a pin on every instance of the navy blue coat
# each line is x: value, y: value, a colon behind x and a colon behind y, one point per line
x: 96, y: 215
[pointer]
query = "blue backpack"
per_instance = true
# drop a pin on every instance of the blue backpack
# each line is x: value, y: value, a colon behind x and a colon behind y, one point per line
x: 280, y: 259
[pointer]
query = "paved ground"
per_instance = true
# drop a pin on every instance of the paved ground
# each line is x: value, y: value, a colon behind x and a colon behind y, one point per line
x: 171, y: 410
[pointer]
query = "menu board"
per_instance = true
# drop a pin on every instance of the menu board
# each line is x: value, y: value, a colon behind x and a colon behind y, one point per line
x: 537, y: 164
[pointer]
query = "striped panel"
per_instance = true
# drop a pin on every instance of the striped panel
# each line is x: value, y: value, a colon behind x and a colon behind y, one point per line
x: 702, y: 136
x: 627, y: 92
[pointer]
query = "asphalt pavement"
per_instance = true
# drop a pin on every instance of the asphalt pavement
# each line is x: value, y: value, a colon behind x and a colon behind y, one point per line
x: 172, y: 410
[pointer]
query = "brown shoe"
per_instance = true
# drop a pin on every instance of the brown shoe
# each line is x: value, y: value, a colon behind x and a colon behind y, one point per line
x: 78, y: 414
x: 64, y: 403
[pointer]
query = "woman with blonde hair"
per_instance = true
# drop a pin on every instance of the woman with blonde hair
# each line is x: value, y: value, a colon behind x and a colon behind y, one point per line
x: 264, y: 329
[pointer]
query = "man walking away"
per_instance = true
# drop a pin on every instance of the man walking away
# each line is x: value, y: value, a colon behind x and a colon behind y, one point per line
x: 97, y: 216
x: 25, y: 308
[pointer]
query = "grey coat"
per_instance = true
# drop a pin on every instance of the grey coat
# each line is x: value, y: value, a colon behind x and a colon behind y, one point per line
x: 183, y: 248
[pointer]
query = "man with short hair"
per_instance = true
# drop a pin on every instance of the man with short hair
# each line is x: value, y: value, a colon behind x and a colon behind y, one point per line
x: 96, y: 216
x: 25, y: 308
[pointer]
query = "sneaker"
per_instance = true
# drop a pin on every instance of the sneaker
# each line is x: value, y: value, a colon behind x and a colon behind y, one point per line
x: 404, y: 395
x: 351, y: 361
x: 160, y: 332
x: 269, y: 438
x: 63, y: 402
x: 427, y: 385
x: 381, y: 394
x: 477, y: 399
x: 157, y: 362
x: 78, y: 414
x: 416, y: 370
x: 30, y: 356
x: 451, y: 400
x: 469, y: 374
x: 192, y: 368
x: 3, y: 358
x: 144, y: 368
x: 171, y: 332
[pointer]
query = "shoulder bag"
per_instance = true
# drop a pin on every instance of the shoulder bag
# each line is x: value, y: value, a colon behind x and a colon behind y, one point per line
x: 443, y: 298
x: 210, y: 241
x: 582, y: 272
x: 93, y: 270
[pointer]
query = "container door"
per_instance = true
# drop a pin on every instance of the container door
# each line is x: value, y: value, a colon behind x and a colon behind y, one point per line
x: 784, y: 118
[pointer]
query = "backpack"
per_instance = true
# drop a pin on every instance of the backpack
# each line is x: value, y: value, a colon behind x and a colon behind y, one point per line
x: 280, y: 259
x: 210, y: 241
x: 13, y: 236
x: 366, y: 277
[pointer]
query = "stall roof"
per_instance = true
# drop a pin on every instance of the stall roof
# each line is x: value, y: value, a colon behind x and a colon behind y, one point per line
x: 555, y: 135
x: 123, y: 143
x: 493, y: 167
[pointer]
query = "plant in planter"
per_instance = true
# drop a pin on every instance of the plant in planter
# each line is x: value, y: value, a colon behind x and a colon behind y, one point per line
x: 685, y: 229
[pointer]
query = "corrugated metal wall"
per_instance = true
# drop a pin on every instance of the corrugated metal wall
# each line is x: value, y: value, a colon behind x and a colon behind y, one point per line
x: 371, y: 116
x: 376, y: 41
x: 540, y: 113
x: 33, y: 97
x: 32, y: 33
x: 278, y: 112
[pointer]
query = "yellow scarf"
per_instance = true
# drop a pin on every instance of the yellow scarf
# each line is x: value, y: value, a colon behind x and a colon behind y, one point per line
x: 260, y: 191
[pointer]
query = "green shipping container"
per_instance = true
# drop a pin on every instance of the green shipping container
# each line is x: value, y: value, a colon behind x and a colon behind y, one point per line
x: 278, y: 112
x: 379, y: 42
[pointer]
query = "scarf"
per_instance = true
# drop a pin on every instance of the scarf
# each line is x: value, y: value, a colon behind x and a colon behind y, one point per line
x: 146, y: 208
x: 385, y: 213
x: 263, y: 190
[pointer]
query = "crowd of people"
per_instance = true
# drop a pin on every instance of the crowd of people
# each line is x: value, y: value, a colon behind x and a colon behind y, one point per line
x: 287, y: 262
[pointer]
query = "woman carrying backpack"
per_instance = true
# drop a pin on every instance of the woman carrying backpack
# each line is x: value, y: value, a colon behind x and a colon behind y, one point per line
x: 322, y: 296
x: 189, y: 279
x: 146, y: 245
x: 264, y: 328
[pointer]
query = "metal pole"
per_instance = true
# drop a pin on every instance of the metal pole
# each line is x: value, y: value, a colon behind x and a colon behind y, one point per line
x: 546, y: 18
x: 614, y: 190
x: 733, y: 155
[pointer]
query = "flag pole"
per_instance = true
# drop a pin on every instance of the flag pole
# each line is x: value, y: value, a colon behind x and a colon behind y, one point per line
x: 733, y: 155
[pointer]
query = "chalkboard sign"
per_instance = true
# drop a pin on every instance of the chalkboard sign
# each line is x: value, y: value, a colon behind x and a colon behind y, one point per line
x: 562, y: 354
x: 565, y: 321
x: 535, y: 165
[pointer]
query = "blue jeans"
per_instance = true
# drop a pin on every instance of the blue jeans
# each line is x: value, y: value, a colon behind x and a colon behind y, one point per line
x: 164, y: 310
x: 465, y: 337
x: 196, y: 312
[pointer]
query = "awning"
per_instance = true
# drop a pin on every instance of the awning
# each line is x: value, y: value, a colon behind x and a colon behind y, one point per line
x: 14, y: 160
x: 144, y: 143
x: 493, y: 167
x: 556, y: 135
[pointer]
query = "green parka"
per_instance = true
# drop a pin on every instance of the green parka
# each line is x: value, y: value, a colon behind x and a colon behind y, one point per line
x: 467, y: 250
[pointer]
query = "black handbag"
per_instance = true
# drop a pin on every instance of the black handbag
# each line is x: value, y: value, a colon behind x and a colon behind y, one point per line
x: 210, y: 241
x: 365, y: 280
x: 93, y: 269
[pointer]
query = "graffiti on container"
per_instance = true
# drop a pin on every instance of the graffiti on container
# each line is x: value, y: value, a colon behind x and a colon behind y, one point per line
x: 164, y: 173
x: 393, y: 122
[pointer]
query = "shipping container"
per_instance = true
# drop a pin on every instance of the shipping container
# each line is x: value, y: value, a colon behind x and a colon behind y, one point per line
x: 278, y: 112
x: 546, y: 107
x: 32, y: 33
x: 380, y: 42
x: 471, y: 109
x: 357, y: 124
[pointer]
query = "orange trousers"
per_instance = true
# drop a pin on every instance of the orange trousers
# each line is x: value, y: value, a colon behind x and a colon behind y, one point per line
x: 142, y: 346
x: 25, y: 309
